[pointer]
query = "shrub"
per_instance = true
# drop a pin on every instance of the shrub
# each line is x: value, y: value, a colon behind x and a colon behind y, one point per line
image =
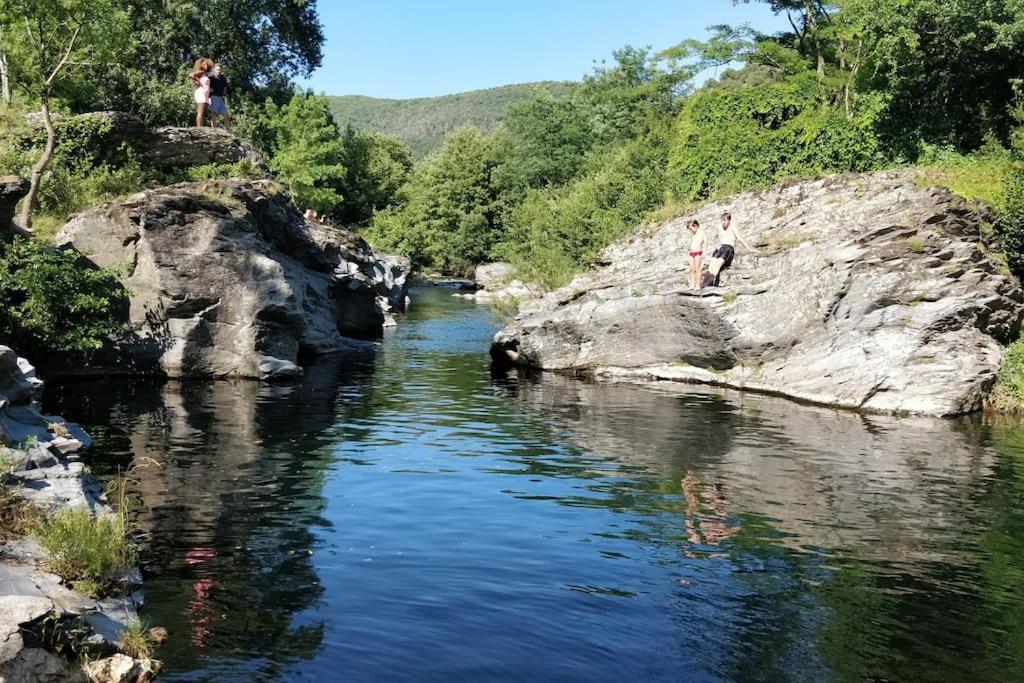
x: 137, y: 641
x: 91, y: 552
x: 1008, y: 394
x: 51, y: 301
x: 733, y: 139
x: 982, y: 175
x: 1011, y: 220
x: 67, y: 189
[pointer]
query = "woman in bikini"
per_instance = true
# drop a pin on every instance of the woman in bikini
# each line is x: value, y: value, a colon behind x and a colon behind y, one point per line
x: 697, y: 243
x: 200, y: 77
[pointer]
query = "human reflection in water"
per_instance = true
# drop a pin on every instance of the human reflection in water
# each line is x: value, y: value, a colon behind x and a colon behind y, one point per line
x: 706, y: 515
x: 201, y: 612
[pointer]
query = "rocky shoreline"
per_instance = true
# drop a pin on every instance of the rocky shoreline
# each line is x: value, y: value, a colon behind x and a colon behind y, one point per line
x: 867, y: 292
x: 42, y: 619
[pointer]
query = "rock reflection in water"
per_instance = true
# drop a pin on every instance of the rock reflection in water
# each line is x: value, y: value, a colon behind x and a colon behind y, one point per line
x: 873, y: 485
x: 814, y: 542
x: 410, y: 516
x: 228, y: 478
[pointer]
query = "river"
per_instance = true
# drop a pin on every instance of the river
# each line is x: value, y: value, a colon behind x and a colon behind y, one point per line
x: 405, y: 515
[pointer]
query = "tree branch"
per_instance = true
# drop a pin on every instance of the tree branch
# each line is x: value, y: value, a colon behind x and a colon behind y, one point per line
x: 67, y: 55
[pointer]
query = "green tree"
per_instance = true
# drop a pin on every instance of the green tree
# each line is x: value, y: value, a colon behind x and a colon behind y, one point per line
x: 49, y: 39
x: 262, y: 44
x: 50, y: 302
x: 307, y: 152
x: 376, y: 167
x: 450, y: 220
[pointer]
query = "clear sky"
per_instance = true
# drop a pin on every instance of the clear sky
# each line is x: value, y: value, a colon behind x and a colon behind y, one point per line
x: 421, y: 48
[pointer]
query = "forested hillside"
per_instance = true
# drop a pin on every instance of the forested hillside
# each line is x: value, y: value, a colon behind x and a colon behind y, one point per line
x: 423, y: 123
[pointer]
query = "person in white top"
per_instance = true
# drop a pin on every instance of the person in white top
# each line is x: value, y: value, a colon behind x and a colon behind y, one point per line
x: 722, y: 257
x: 698, y: 241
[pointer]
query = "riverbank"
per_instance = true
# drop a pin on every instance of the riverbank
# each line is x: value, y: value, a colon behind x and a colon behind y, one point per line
x: 84, y: 627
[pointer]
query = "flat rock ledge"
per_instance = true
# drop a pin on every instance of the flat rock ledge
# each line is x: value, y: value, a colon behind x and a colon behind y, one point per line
x: 867, y: 292
x: 43, y: 468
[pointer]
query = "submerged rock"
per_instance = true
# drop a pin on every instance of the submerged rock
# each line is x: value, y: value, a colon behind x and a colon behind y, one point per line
x: 867, y: 292
x: 227, y: 280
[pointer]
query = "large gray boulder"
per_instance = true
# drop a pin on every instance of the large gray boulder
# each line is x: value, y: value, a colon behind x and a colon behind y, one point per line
x: 227, y: 280
x: 867, y: 292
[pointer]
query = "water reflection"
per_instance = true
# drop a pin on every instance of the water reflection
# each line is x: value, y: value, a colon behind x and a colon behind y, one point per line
x: 407, y: 515
x: 229, y: 481
x: 854, y: 547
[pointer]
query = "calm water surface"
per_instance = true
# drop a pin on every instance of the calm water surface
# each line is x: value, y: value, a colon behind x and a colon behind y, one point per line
x: 408, y: 516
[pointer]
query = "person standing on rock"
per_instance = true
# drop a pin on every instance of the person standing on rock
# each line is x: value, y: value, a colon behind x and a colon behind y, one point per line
x: 728, y: 236
x: 200, y: 77
x: 698, y: 241
x: 218, y: 91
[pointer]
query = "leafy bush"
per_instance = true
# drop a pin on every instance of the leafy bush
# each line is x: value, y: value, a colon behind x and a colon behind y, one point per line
x: 1008, y: 394
x: 733, y: 139
x: 449, y: 219
x: 307, y: 152
x: 982, y: 175
x: 91, y: 552
x: 50, y: 301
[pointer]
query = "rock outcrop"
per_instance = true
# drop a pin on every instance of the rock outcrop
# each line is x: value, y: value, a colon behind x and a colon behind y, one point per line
x: 866, y: 292
x: 41, y: 466
x: 498, y: 283
x: 165, y: 148
x: 12, y: 189
x: 227, y: 280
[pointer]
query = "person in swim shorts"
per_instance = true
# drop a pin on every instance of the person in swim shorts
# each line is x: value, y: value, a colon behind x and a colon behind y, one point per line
x: 722, y: 257
x: 218, y: 91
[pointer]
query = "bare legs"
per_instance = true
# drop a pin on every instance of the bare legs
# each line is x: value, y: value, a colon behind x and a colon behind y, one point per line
x: 200, y: 114
x: 695, y: 272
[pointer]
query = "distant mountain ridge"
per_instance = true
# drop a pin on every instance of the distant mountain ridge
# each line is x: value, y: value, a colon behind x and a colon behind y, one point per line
x: 424, y: 122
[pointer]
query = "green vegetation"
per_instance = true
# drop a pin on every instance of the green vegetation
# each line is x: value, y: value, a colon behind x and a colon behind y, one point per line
x: 423, y: 123
x: 90, y: 552
x: 16, y: 516
x: 345, y: 176
x: 52, y: 302
x: 43, y: 41
x: 137, y: 641
x: 857, y: 85
x: 1008, y: 395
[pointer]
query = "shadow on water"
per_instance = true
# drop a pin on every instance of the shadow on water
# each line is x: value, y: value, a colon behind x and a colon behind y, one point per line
x: 407, y: 515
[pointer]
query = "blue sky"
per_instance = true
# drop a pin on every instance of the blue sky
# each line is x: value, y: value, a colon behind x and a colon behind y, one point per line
x: 410, y: 48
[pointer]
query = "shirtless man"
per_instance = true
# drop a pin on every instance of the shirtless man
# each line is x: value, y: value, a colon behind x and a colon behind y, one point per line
x: 722, y: 258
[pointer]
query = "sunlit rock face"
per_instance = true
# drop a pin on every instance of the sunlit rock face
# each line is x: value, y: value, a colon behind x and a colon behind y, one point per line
x: 227, y: 280
x: 866, y: 291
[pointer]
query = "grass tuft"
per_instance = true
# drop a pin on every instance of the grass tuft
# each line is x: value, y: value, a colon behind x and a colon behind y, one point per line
x: 1008, y: 394
x: 137, y: 641
x: 90, y: 552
